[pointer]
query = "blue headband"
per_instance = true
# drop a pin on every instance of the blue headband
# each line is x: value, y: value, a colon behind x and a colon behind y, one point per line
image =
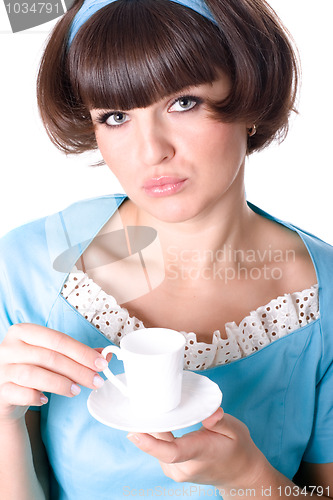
x: 89, y: 8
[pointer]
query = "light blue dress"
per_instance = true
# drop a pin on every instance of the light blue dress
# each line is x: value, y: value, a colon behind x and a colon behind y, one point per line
x: 283, y: 393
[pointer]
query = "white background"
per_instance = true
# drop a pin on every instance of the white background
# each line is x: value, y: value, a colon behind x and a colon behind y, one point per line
x: 292, y: 181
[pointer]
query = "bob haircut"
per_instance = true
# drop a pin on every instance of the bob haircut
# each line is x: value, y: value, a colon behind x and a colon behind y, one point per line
x: 132, y: 53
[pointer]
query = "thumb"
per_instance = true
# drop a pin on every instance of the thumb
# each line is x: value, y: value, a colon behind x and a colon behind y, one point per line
x: 223, y: 423
x: 214, y: 419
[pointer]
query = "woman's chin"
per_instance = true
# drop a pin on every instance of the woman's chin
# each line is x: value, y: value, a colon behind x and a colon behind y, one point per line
x: 174, y: 214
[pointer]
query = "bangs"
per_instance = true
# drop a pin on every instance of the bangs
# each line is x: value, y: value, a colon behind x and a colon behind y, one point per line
x: 132, y: 53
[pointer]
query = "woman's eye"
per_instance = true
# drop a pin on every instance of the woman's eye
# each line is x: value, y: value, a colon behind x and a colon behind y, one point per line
x: 114, y: 119
x: 184, y: 104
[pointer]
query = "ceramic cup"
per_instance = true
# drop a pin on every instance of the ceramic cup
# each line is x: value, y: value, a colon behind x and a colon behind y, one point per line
x: 153, y: 361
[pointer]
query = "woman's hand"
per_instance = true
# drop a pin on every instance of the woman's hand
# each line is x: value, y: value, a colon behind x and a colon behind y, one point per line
x: 221, y: 453
x: 35, y: 359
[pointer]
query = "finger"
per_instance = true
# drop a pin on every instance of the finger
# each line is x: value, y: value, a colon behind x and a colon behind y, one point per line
x: 108, y: 356
x: 21, y: 396
x: 178, y: 450
x: 165, y: 451
x: 57, y: 341
x: 225, y: 424
x: 164, y: 436
x: 214, y: 419
x: 34, y: 377
x: 55, y: 362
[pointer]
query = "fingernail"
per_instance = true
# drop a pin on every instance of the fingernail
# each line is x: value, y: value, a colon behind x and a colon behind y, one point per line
x: 98, y: 381
x: 101, y: 363
x: 43, y: 399
x: 133, y: 437
x: 75, y: 389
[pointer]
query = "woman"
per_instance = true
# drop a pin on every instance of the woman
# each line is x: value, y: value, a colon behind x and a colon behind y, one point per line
x: 175, y: 95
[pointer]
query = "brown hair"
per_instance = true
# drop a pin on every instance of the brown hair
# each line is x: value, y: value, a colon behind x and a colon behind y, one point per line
x: 132, y: 53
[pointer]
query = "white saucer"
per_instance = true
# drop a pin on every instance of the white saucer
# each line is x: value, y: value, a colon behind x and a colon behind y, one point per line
x: 200, y: 398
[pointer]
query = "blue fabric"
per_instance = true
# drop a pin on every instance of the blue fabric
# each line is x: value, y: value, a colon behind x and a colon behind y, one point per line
x: 283, y: 393
x: 89, y: 8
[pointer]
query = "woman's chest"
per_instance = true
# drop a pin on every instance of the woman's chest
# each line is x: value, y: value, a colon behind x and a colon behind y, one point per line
x: 202, y: 309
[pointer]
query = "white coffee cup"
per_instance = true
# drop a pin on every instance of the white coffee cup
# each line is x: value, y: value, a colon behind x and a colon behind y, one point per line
x: 153, y: 361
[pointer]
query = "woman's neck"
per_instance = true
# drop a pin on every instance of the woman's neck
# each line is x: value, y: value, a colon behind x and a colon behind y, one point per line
x: 200, y: 242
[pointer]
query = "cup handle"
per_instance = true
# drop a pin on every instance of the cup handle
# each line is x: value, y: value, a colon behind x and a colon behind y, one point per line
x: 108, y: 373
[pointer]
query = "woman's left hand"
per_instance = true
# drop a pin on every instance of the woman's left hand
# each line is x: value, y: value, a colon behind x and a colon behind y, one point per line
x: 221, y: 453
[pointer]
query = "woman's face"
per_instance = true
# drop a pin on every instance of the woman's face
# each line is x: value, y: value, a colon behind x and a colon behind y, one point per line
x: 173, y: 159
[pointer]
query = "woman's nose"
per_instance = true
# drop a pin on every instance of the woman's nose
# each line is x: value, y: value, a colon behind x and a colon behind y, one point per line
x: 155, y: 144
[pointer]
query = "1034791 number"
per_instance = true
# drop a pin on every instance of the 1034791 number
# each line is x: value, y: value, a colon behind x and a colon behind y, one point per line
x: 291, y: 491
x: 35, y: 8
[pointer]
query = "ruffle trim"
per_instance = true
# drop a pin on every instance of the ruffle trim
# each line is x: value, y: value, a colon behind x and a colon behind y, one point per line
x: 266, y: 324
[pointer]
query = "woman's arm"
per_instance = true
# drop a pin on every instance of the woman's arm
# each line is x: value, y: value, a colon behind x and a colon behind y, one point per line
x: 40, y: 459
x: 18, y: 480
x: 313, y: 481
x: 310, y: 475
x: 223, y: 455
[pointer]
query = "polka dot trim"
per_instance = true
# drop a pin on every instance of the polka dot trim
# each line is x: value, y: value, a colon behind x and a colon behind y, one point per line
x: 266, y: 324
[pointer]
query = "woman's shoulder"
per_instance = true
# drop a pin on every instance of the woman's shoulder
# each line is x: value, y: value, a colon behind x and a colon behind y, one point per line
x: 302, y: 249
x: 79, y: 213
x: 312, y: 261
x: 35, y: 245
x: 320, y: 254
x: 22, y: 239
x: 309, y: 238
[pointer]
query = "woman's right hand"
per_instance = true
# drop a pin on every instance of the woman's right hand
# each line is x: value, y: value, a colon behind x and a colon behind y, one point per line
x: 35, y: 359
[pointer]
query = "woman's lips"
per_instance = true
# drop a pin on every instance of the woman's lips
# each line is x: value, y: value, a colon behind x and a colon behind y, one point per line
x: 163, y: 186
